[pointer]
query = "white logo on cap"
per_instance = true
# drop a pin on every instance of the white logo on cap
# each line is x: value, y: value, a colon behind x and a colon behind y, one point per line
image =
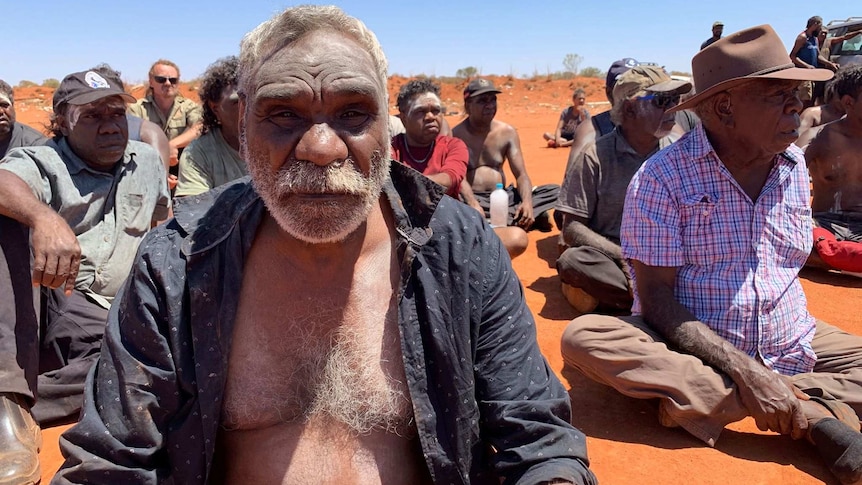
x: 95, y: 81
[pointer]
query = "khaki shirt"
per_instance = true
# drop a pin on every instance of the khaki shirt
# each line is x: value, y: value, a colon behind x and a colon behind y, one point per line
x: 109, y: 212
x: 184, y: 113
x: 594, y: 186
x: 207, y: 163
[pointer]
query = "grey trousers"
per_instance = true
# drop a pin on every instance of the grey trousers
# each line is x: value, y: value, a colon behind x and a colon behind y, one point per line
x: 626, y: 354
x: 598, y: 275
x: 44, y: 359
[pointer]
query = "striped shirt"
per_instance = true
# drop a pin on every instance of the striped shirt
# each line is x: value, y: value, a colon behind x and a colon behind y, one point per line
x: 737, y: 261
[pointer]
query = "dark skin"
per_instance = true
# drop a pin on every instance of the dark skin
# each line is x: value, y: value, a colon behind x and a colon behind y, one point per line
x: 642, y: 127
x: 800, y: 42
x: 7, y: 121
x: 835, y: 163
x: 747, y: 126
x: 491, y: 143
x: 99, y: 138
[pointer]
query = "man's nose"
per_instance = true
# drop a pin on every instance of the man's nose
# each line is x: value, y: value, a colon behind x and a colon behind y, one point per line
x: 321, y: 145
x: 794, y: 104
x: 111, y: 125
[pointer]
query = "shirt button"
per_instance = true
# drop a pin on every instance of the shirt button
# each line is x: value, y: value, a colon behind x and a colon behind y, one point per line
x: 106, y: 239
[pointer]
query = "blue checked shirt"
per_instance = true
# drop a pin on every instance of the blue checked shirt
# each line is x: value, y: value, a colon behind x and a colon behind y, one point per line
x: 737, y: 261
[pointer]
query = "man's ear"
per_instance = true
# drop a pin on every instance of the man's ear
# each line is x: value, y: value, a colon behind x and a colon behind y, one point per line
x: 722, y: 104
x: 215, y: 108
x: 241, y: 121
x: 64, y: 126
x: 629, y: 109
x: 847, y: 102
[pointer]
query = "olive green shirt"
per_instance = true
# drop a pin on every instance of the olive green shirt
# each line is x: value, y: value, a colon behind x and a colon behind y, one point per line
x: 109, y: 212
x: 184, y: 113
x: 207, y: 163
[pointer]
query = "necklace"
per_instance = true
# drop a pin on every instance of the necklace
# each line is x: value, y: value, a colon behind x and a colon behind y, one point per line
x: 415, y: 160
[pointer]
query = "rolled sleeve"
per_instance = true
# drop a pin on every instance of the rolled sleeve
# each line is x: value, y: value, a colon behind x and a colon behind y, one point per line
x: 193, y: 179
x: 20, y: 163
x: 525, y: 409
x: 194, y: 113
x: 578, y: 194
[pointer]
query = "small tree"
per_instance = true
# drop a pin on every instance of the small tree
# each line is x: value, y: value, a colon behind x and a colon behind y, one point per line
x: 26, y: 84
x: 51, y: 83
x: 592, y: 72
x: 571, y: 63
x: 466, y: 72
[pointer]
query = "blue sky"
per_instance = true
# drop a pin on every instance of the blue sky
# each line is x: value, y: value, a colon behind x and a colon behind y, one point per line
x: 434, y: 38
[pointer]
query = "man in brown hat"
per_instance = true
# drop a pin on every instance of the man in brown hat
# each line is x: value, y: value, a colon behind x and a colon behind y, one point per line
x: 592, y: 269
x: 716, y: 229
x: 80, y: 205
x: 491, y: 143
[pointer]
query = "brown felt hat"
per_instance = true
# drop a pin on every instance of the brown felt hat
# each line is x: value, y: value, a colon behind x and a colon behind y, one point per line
x: 755, y: 53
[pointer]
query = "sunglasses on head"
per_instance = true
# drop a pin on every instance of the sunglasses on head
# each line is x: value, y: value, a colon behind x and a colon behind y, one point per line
x: 661, y: 101
x: 163, y: 79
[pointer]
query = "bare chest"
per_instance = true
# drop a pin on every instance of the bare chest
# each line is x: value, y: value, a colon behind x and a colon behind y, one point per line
x: 319, y: 452
x: 299, y: 351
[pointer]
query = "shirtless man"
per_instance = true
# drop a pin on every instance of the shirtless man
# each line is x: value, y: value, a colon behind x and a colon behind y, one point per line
x: 813, y: 118
x: 338, y: 320
x: 834, y: 160
x: 491, y: 143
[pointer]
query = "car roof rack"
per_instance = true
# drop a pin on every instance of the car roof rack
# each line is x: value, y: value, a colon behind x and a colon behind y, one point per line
x: 849, y: 19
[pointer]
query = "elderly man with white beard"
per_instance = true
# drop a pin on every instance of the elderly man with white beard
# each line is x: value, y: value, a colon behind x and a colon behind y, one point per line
x: 592, y: 270
x: 334, y: 319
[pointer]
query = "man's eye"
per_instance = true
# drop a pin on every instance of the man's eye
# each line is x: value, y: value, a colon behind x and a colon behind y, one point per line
x: 283, y: 115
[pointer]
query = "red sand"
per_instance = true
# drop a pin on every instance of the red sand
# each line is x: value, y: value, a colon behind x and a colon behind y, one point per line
x: 625, y: 441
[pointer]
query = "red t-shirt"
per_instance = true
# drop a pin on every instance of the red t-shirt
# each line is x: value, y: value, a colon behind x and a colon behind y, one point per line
x: 450, y: 157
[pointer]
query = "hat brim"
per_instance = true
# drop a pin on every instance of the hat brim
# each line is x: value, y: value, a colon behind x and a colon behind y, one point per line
x: 672, y: 87
x: 483, y: 91
x: 790, y: 74
x: 98, y: 94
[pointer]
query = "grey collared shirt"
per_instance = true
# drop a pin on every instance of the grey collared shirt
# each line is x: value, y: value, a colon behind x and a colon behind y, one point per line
x: 110, y: 212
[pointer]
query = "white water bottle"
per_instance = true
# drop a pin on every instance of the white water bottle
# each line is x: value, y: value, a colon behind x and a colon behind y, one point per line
x: 499, y: 207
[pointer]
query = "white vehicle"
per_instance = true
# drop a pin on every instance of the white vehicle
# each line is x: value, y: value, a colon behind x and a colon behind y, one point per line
x: 850, y: 51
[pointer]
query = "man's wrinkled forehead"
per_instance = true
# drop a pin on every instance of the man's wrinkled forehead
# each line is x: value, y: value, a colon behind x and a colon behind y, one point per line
x: 342, y: 59
x: 5, y: 99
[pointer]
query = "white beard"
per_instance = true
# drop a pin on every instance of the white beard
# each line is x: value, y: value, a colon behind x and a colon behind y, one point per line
x: 318, y: 222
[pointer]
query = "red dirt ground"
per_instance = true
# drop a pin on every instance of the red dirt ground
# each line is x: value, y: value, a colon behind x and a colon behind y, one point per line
x: 626, y: 444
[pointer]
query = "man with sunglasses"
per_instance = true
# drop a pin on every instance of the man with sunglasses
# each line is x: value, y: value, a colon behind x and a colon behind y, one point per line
x: 592, y: 269
x: 178, y: 116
